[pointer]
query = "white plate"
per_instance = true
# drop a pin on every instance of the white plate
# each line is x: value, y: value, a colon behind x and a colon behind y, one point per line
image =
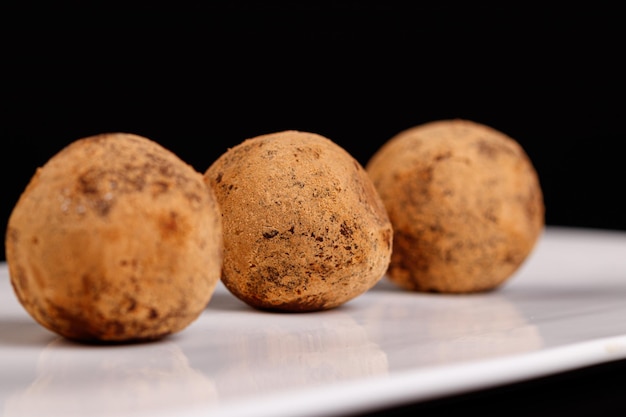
x: 565, y: 308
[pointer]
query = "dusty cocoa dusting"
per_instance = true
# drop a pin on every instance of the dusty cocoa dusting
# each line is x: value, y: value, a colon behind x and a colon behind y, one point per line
x: 304, y: 227
x: 115, y: 239
x: 465, y: 203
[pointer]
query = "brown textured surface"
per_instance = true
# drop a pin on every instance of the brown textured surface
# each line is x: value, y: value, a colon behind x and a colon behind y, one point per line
x: 304, y: 228
x: 115, y: 239
x: 465, y: 203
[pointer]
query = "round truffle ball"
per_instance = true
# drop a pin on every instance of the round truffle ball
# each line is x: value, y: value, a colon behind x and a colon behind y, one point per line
x: 465, y: 203
x: 304, y: 228
x: 115, y: 239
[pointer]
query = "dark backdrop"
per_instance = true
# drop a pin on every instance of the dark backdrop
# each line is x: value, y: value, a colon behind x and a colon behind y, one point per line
x: 200, y: 80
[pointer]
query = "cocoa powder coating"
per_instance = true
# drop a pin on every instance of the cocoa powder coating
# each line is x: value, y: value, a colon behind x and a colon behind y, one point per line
x: 304, y: 228
x: 465, y: 203
x: 115, y: 239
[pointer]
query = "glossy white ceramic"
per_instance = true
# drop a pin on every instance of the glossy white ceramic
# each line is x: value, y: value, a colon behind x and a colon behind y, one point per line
x: 565, y: 308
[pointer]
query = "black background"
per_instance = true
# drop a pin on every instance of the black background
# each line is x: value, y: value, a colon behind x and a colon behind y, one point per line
x: 201, y: 79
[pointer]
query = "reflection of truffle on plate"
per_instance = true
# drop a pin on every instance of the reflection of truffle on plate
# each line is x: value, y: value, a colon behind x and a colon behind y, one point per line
x: 115, y: 239
x: 451, y: 329
x: 465, y: 203
x: 111, y: 381
x: 304, y: 228
x: 330, y: 348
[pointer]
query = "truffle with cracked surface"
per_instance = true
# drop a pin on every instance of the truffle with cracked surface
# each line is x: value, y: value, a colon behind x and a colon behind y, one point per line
x: 304, y: 228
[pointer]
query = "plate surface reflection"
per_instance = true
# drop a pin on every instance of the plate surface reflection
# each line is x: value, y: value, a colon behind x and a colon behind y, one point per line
x: 571, y: 293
